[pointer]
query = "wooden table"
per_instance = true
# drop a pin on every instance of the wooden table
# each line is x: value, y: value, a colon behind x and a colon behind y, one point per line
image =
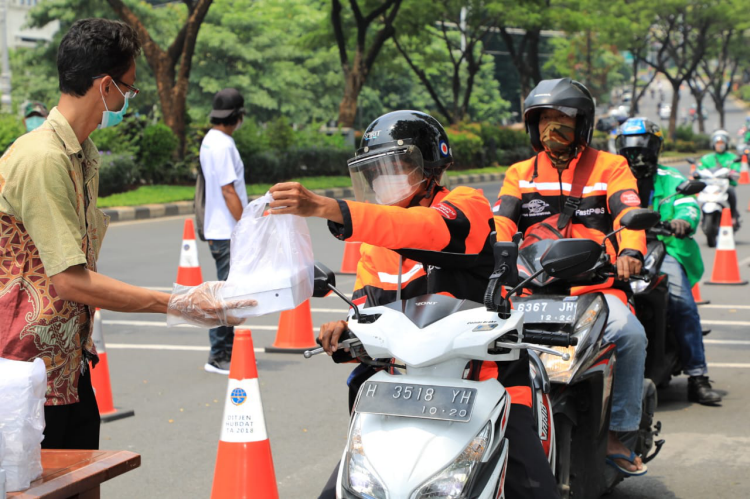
x: 77, y: 473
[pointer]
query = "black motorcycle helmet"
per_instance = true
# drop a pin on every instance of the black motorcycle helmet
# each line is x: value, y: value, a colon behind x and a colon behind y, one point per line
x: 640, y: 141
x: 563, y: 94
x: 398, y: 144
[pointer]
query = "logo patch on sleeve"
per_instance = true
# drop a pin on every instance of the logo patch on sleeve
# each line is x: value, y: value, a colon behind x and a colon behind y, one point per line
x: 630, y: 198
x: 446, y: 211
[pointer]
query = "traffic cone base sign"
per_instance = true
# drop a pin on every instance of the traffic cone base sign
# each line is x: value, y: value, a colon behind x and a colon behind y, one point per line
x: 243, y: 413
x: 244, y: 465
x: 726, y: 268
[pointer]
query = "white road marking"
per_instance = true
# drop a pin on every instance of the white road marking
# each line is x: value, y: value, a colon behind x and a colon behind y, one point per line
x: 726, y: 342
x: 157, y: 288
x: 146, y: 220
x: 179, y: 348
x: 738, y: 307
x: 729, y: 365
x: 330, y: 310
x: 746, y: 261
x: 725, y: 323
x: 164, y: 324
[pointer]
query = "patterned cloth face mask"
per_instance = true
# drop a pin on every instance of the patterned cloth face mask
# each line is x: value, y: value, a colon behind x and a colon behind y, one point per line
x: 557, y: 139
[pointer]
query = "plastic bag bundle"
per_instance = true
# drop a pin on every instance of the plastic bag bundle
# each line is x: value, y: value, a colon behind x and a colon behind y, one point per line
x: 272, y: 261
x: 22, y: 389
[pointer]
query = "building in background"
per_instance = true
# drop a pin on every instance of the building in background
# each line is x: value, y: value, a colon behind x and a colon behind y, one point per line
x: 17, y: 34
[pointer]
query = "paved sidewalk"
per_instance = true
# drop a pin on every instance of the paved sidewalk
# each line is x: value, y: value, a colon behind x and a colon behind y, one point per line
x: 121, y: 214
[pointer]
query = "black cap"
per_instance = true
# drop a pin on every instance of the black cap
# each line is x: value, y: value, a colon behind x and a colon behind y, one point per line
x: 226, y: 103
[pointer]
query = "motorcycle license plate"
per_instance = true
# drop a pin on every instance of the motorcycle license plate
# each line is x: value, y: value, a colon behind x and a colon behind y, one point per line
x: 536, y: 311
x: 417, y: 401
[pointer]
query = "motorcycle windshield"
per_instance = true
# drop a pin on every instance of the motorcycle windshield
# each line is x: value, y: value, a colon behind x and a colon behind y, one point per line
x: 529, y: 262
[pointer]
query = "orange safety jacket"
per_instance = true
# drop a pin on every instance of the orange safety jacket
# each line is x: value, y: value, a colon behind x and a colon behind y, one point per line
x: 530, y: 194
x: 446, y: 248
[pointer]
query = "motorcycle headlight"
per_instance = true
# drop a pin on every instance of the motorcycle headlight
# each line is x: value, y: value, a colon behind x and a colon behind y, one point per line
x: 359, y: 477
x: 562, y: 370
x: 452, y: 481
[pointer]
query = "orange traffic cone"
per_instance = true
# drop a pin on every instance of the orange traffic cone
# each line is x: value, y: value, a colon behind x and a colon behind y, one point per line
x: 744, y: 171
x: 726, y: 268
x: 189, y: 271
x: 692, y: 169
x: 244, y: 466
x: 295, y: 333
x: 100, y: 378
x: 697, y: 296
x: 351, y: 258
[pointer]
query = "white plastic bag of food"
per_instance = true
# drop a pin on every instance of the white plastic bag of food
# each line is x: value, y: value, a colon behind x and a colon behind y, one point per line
x: 272, y: 261
x: 22, y: 389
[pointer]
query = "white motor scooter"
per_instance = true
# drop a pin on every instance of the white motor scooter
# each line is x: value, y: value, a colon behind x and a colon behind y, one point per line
x: 431, y: 433
x: 714, y: 198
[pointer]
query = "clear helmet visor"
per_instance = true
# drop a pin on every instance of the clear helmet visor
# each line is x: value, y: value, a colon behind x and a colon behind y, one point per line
x: 387, y: 177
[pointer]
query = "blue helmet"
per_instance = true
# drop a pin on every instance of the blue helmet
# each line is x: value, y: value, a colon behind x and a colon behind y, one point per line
x: 640, y: 141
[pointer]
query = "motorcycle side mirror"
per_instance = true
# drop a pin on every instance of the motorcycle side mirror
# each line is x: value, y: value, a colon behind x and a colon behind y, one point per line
x: 323, y: 280
x: 567, y: 258
x: 506, y: 259
x: 690, y: 187
x: 640, y: 219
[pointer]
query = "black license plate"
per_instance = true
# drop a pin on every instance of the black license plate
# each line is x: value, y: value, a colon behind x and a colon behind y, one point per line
x: 417, y: 401
x: 540, y: 310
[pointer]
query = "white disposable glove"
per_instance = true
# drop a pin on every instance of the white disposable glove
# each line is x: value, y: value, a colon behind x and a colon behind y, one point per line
x: 203, y: 305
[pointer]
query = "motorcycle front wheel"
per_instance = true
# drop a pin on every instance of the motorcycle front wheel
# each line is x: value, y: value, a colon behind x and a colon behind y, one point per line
x: 711, y: 227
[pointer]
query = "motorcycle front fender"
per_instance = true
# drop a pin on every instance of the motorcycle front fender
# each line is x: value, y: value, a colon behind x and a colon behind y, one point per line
x: 711, y: 207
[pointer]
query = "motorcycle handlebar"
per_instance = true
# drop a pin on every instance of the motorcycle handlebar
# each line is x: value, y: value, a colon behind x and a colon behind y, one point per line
x: 549, y: 338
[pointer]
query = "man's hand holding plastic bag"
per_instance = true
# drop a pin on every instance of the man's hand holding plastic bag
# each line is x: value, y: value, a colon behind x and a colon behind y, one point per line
x: 203, y: 305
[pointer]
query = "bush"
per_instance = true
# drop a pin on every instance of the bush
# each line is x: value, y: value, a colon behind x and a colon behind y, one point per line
x: 117, y: 173
x: 685, y: 146
x: 10, y: 129
x: 124, y: 138
x: 158, y: 144
x: 744, y: 93
x: 277, y: 166
x: 467, y: 148
x: 702, y: 141
x: 504, y: 146
x: 684, y: 133
x: 280, y: 135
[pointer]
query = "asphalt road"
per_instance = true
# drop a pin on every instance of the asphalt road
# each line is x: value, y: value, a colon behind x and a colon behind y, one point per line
x: 179, y: 406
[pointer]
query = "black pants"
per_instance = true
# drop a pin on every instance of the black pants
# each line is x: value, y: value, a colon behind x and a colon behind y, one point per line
x: 732, y: 199
x: 529, y: 475
x: 73, y: 426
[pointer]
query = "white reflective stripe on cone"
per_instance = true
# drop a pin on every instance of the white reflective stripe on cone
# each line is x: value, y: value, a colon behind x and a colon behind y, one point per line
x: 243, y: 413
x: 726, y: 239
x: 189, y: 254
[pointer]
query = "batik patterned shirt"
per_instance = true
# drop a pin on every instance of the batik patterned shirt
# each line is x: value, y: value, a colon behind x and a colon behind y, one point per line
x: 49, y: 222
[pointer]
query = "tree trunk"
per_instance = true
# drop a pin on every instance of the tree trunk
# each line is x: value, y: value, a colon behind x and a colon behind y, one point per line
x: 348, y: 106
x: 699, y: 112
x: 673, y: 114
x: 633, y: 101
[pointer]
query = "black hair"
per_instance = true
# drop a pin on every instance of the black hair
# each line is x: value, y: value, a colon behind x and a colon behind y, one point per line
x: 95, y: 47
x: 230, y: 120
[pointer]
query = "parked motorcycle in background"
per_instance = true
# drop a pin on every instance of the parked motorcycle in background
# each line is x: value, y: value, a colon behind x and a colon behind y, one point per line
x: 714, y: 198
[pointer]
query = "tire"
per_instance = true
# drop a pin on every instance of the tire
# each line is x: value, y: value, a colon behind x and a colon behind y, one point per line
x: 711, y: 228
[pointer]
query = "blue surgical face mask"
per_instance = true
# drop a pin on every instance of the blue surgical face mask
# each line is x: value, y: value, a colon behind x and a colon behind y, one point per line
x: 34, y: 122
x: 112, y: 118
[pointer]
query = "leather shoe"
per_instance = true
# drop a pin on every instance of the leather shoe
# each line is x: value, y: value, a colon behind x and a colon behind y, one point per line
x: 699, y: 390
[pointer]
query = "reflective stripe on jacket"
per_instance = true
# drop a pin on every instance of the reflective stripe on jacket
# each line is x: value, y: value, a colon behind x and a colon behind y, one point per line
x: 610, y: 192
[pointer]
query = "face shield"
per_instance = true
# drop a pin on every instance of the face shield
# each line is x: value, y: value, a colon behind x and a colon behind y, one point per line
x: 387, y: 176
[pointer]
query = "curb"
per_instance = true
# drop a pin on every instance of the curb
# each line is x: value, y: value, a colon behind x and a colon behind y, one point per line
x: 148, y: 211
x: 676, y: 159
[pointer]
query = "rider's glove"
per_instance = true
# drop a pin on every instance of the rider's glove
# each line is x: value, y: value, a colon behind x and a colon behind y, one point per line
x: 681, y: 228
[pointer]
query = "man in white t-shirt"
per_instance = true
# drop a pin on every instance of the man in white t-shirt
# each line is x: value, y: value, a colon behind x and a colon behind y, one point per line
x: 226, y: 197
